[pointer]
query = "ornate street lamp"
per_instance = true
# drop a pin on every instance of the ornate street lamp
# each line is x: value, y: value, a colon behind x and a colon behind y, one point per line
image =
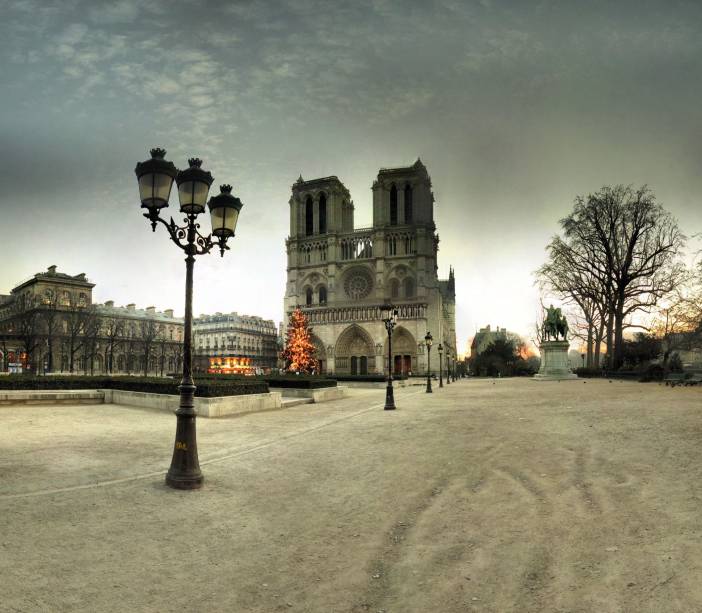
x: 389, y: 315
x: 428, y: 339
x: 156, y: 178
x: 448, y: 365
x: 441, y: 381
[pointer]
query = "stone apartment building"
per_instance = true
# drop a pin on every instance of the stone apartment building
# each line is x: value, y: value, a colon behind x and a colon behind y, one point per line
x: 50, y: 324
x: 341, y: 275
x: 230, y: 343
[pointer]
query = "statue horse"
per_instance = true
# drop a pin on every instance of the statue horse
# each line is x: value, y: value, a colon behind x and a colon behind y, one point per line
x: 555, y: 325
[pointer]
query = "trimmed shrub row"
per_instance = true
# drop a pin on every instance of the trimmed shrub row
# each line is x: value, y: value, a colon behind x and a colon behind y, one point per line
x: 152, y: 385
x: 290, y: 381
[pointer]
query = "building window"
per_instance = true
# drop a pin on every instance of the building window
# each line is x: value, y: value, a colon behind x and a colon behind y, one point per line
x: 322, y: 295
x: 393, y: 205
x: 308, y: 297
x: 309, y: 216
x: 394, y: 288
x: 322, y: 214
x: 408, y: 203
x: 409, y: 287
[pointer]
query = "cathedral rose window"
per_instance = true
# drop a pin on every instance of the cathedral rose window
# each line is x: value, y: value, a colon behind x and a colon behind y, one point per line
x: 358, y: 284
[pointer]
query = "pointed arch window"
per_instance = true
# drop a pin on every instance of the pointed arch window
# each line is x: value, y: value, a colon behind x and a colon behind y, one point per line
x: 394, y: 288
x: 393, y: 205
x: 408, y: 203
x: 322, y: 213
x: 322, y: 295
x: 308, y: 297
x: 309, y: 216
x: 409, y: 287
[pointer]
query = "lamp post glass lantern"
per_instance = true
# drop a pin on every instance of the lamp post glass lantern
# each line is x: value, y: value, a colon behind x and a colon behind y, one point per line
x: 155, y: 177
x: 389, y: 316
x: 441, y: 380
x: 428, y: 340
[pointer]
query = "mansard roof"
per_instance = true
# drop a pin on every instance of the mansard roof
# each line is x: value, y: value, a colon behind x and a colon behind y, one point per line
x: 52, y: 276
x: 106, y: 310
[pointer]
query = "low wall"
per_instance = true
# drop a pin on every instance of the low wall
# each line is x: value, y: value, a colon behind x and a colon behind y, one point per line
x: 204, y: 407
x: 375, y: 384
x: 8, y: 397
x: 323, y: 394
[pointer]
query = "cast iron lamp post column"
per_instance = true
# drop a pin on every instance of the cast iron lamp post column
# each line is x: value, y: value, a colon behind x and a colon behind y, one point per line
x: 448, y: 366
x: 428, y: 339
x: 389, y: 313
x: 441, y: 381
x: 156, y: 178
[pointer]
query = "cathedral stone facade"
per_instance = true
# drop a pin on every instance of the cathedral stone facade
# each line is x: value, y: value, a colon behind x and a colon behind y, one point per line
x: 340, y: 276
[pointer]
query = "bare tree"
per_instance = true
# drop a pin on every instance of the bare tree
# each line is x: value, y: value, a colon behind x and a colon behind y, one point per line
x: 149, y: 331
x: 51, y: 324
x: 618, y: 256
x: 113, y: 333
x: 26, y: 323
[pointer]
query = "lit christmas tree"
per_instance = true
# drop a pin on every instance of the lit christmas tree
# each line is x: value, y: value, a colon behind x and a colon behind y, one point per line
x: 299, y: 350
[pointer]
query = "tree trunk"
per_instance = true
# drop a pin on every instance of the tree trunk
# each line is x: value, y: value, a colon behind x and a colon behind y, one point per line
x: 590, y: 329
x: 610, y: 339
x: 619, y: 333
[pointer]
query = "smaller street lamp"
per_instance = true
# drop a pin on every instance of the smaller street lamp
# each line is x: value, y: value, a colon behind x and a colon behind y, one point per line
x: 389, y: 316
x: 428, y: 340
x: 441, y: 380
x: 582, y: 355
x: 448, y: 365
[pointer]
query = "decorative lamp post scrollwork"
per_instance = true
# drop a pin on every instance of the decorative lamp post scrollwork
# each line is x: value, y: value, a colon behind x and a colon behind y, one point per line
x: 441, y: 380
x: 389, y: 316
x: 428, y: 340
x: 156, y: 178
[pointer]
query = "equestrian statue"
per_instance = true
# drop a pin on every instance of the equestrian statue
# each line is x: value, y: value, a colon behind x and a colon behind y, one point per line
x: 555, y: 325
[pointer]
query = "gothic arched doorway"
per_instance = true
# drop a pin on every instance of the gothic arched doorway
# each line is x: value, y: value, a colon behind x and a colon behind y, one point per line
x: 354, y: 354
x: 404, y: 352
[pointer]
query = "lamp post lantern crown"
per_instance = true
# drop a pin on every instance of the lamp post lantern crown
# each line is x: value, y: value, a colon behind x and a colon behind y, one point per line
x: 428, y: 339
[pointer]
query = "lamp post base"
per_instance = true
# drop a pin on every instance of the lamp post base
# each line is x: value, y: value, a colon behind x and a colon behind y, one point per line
x: 184, y: 473
x: 389, y: 397
x: 429, y: 390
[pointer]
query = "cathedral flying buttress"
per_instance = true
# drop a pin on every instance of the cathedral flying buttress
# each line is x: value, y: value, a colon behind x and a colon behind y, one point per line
x: 341, y: 275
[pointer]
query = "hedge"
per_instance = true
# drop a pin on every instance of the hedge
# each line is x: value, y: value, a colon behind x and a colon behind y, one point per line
x: 152, y: 385
x: 290, y: 381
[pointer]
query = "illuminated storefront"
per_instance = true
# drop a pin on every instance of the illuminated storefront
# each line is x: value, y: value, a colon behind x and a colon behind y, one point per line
x: 231, y: 366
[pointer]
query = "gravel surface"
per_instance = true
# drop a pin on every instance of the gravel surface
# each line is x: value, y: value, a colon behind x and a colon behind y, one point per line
x: 507, y: 495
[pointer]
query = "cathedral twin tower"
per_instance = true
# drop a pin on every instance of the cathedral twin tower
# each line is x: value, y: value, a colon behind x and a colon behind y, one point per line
x: 341, y: 276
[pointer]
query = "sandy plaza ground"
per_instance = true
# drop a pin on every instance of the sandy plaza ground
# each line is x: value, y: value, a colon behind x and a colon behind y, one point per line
x: 507, y: 495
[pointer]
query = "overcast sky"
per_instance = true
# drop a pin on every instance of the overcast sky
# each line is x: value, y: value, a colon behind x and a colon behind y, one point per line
x: 515, y: 108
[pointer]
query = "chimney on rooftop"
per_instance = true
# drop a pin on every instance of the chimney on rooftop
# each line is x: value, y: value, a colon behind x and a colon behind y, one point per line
x: 169, y: 313
x: 52, y: 270
x: 109, y: 303
x: 131, y: 307
x: 151, y: 310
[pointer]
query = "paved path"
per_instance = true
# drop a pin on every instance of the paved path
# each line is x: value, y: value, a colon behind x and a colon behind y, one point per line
x: 484, y: 496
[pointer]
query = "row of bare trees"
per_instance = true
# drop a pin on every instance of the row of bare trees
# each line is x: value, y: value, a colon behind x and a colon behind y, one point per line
x: 618, y: 257
x: 77, y: 333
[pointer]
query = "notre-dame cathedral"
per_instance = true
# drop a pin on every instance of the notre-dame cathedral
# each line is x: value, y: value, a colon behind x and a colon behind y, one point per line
x: 340, y: 276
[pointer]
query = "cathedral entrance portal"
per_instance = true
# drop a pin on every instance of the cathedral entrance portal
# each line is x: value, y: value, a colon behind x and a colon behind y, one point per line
x: 404, y: 352
x: 354, y: 352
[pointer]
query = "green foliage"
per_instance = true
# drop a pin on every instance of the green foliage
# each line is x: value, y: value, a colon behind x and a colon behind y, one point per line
x: 589, y: 372
x: 642, y: 349
x: 152, y: 385
x: 501, y: 358
x: 369, y: 378
x: 653, y: 372
x: 675, y: 363
x: 290, y: 381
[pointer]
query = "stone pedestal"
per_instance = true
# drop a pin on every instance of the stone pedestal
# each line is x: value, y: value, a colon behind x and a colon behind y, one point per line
x: 554, y: 362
